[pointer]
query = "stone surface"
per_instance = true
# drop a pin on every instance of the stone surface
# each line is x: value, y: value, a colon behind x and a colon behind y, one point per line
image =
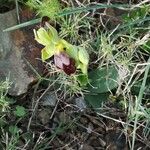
x: 49, y: 99
x: 6, y: 20
x: 18, y: 53
x: 80, y: 103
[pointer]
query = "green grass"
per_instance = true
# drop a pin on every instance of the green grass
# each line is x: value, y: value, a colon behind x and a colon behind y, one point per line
x: 126, y: 48
x: 4, y: 101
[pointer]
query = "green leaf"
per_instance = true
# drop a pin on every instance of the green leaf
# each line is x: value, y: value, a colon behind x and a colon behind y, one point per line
x: 83, y: 68
x: 71, y: 50
x: 20, y: 111
x: 83, y: 55
x: 44, y: 55
x: 103, y: 79
x: 68, y: 12
x: 22, y: 25
x: 47, y: 52
x: 96, y: 99
x: 52, y: 32
x: 13, y: 129
x: 42, y: 36
x: 91, y: 7
x: 82, y: 79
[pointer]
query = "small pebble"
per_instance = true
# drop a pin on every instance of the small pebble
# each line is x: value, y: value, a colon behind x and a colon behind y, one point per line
x: 80, y: 103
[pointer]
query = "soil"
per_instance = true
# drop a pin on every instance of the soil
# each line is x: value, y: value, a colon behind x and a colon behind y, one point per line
x: 70, y: 128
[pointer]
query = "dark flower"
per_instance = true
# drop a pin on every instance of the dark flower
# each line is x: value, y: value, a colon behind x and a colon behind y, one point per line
x: 44, y: 20
x: 64, y: 62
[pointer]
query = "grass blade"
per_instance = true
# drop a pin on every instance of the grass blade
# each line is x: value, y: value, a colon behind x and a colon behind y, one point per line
x: 133, y: 23
x: 67, y: 12
x: 138, y: 102
x: 25, y: 24
x: 93, y: 7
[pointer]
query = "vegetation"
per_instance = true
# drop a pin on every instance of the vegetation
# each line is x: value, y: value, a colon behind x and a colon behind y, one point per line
x: 45, y: 7
x: 110, y: 70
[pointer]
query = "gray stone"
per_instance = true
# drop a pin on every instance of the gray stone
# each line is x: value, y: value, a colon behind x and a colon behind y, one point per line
x: 80, y: 103
x: 18, y: 52
x: 6, y: 20
x: 49, y: 99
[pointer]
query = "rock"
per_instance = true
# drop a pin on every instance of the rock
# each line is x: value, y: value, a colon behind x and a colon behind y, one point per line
x: 6, y: 20
x: 49, y: 99
x: 18, y: 52
x: 80, y: 103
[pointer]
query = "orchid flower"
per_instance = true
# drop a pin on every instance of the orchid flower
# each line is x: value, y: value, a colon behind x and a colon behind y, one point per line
x: 67, y: 57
